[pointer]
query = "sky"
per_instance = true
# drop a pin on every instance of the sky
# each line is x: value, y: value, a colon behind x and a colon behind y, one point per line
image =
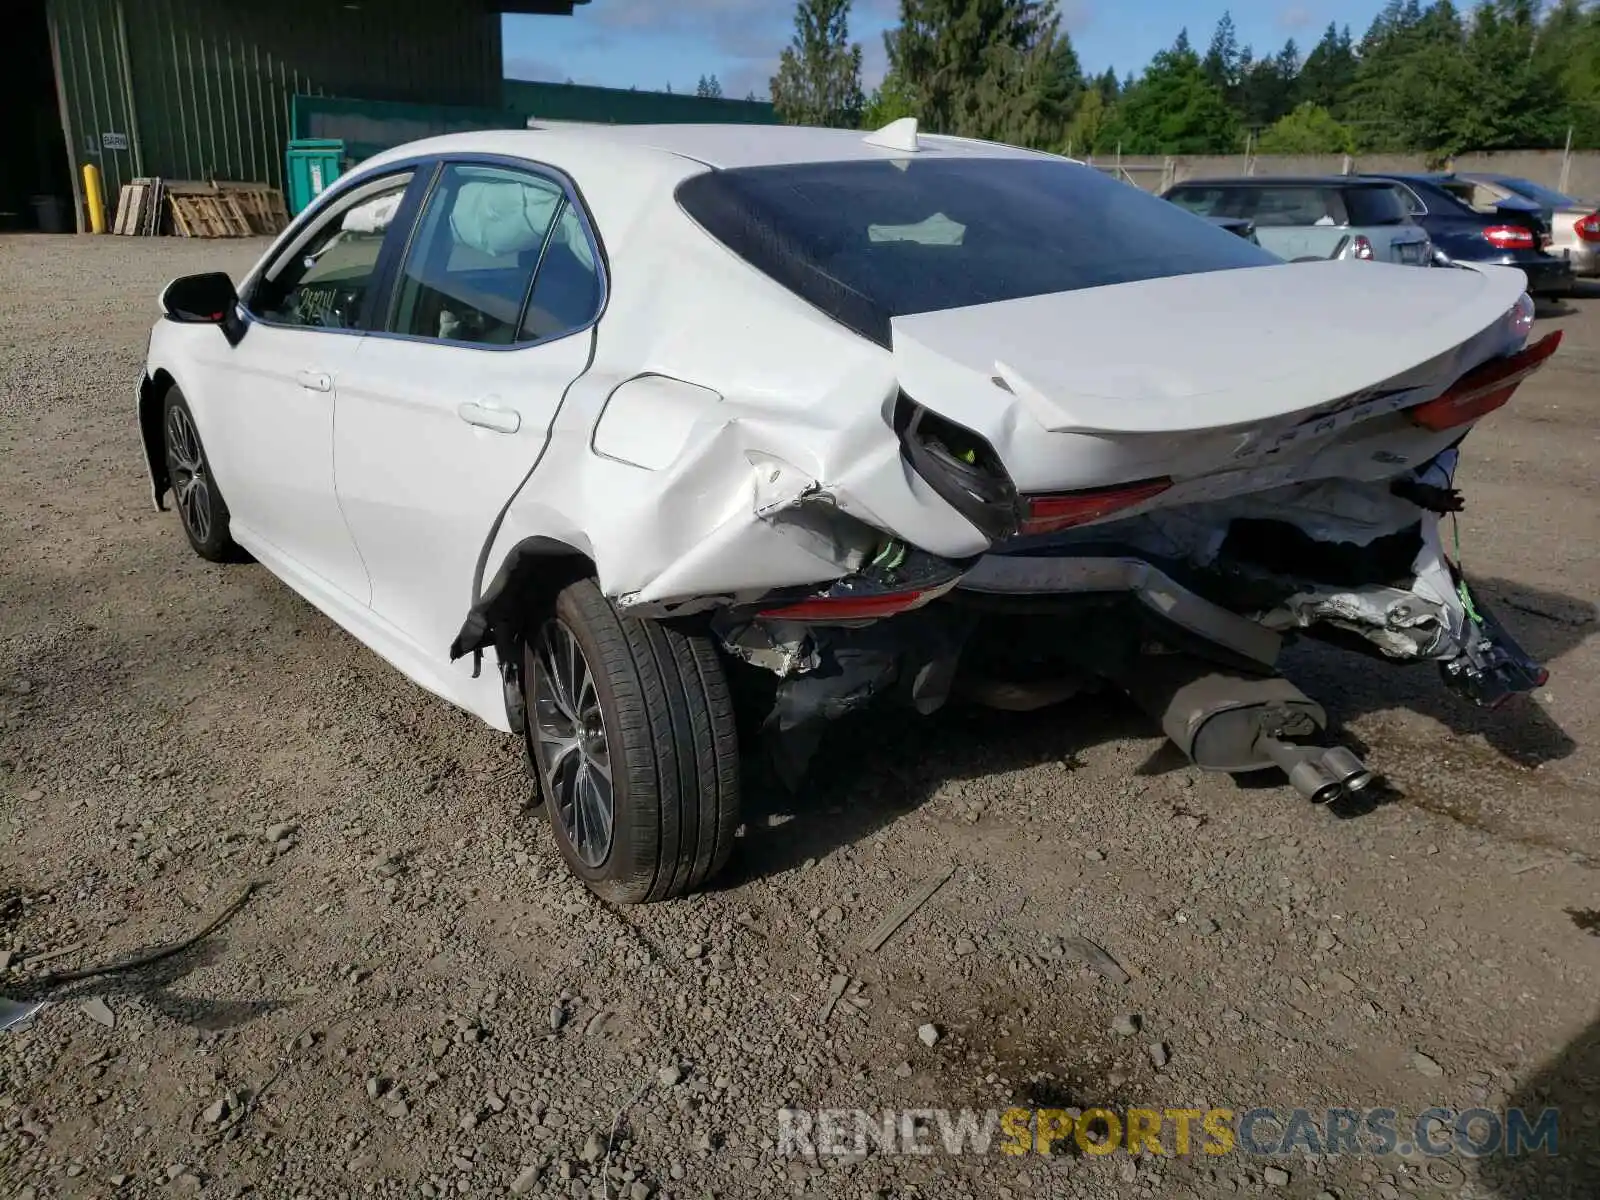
x: 650, y: 44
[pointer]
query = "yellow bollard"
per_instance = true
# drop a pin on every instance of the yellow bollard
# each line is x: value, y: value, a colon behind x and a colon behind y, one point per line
x: 95, y: 198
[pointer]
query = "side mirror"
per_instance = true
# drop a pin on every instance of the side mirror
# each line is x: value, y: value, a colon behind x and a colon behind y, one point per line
x: 207, y: 299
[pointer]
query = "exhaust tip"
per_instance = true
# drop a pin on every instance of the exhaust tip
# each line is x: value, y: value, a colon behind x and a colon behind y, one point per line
x: 1315, y: 784
x: 1353, y: 774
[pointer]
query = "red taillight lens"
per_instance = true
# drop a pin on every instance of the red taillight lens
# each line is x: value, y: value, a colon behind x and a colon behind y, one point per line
x: 1361, y: 248
x: 1483, y: 389
x: 1047, y: 514
x: 1509, y: 237
x: 1589, y: 228
x: 825, y: 609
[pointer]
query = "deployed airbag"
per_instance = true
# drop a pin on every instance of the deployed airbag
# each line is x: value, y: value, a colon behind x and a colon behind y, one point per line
x: 499, y: 217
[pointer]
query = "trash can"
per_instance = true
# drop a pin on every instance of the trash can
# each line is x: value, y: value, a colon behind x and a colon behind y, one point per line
x: 314, y: 163
x: 49, y: 214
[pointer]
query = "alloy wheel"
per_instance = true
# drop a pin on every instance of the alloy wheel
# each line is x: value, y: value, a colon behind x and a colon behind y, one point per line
x: 187, y: 468
x: 569, y: 743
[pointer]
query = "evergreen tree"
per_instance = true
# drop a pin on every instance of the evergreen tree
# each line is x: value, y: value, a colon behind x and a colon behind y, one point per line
x: 1175, y: 109
x: 819, y: 75
x: 1328, y: 72
x: 1221, y: 63
x: 709, y: 88
x: 998, y: 69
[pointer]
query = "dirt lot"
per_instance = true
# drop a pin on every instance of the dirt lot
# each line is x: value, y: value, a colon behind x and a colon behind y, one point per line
x: 418, y: 1001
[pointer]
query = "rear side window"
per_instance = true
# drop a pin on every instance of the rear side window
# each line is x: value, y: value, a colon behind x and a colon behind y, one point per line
x: 867, y: 241
x: 500, y: 258
x: 1376, y: 206
x: 1203, y: 201
x: 1291, y: 204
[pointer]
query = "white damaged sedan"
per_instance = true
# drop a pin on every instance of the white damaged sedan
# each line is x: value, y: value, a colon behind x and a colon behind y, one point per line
x: 634, y: 417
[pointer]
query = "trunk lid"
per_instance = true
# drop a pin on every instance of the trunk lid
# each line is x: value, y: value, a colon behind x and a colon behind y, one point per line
x: 1193, y: 374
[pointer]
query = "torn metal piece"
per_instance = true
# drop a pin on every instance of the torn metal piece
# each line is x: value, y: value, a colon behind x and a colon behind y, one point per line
x: 906, y: 909
x: 14, y: 1012
x: 780, y: 647
x: 1087, y: 952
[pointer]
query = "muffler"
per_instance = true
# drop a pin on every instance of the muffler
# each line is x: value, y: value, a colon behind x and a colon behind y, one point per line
x: 1241, y: 723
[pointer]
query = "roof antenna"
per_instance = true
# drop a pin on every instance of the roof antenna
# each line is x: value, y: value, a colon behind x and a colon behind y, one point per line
x: 896, y: 135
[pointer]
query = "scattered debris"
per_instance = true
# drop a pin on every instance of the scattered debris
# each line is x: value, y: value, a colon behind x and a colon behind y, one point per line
x: 98, y: 1011
x: 216, y: 1112
x: 1160, y: 1056
x: 928, y: 1034
x: 524, y: 1183
x: 558, y: 1017
x: 1085, y: 951
x: 836, y: 987
x: 965, y: 946
x: 669, y: 1077
x: 1426, y: 1065
x: 1127, y: 1025
x: 1275, y: 1177
x: 906, y: 909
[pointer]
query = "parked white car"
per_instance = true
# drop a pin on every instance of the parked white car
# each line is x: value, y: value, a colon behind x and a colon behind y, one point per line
x: 632, y: 411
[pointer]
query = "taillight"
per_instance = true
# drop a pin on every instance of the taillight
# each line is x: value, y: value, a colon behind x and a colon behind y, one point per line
x: 1509, y: 237
x: 1589, y: 228
x: 1361, y: 248
x: 826, y: 609
x: 1483, y: 389
x: 1047, y: 514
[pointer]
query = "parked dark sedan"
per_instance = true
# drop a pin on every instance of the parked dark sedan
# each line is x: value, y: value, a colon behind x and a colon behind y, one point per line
x: 1511, y: 232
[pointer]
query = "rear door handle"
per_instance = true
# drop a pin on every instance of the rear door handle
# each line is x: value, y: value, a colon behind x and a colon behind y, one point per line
x: 487, y: 416
x: 314, y: 381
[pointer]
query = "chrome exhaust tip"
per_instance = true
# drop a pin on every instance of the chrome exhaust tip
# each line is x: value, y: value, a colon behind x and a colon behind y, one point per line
x: 1304, y: 767
x: 1353, y: 774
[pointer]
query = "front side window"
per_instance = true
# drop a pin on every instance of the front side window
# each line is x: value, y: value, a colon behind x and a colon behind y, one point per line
x: 324, y: 284
x: 500, y: 258
x: 1376, y: 206
x: 867, y: 241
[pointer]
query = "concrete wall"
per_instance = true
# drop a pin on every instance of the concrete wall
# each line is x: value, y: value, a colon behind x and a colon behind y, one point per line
x: 1581, y: 168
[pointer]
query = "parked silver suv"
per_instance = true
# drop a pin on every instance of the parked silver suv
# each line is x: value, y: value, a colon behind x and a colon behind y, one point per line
x: 1332, y: 217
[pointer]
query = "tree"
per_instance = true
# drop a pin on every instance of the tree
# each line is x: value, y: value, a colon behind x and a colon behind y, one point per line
x: 1266, y: 92
x: 1174, y: 109
x: 1518, y: 101
x: 709, y: 88
x: 1329, y: 70
x: 1221, y: 63
x: 1086, y: 132
x: 1309, y: 129
x: 891, y: 100
x: 819, y: 75
x: 1001, y: 69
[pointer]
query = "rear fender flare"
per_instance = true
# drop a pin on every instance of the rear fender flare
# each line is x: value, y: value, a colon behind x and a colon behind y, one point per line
x: 153, y: 391
x: 522, y: 590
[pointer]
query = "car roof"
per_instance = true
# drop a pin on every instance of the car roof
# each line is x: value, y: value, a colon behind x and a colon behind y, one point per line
x: 1282, y: 181
x: 1410, y: 176
x: 719, y: 146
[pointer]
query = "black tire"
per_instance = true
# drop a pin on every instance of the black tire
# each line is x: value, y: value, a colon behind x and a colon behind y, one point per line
x: 670, y: 744
x: 201, y: 509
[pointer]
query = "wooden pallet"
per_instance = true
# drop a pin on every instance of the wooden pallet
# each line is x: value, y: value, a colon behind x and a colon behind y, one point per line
x: 216, y: 210
x: 139, y: 208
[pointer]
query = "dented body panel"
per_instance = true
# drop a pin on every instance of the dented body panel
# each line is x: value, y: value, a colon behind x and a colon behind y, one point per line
x: 716, y: 440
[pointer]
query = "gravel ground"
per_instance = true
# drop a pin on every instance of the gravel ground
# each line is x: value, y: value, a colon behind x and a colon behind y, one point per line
x: 418, y: 1001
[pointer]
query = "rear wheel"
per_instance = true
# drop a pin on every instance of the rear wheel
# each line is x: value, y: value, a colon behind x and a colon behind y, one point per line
x: 633, y: 739
x: 199, y: 502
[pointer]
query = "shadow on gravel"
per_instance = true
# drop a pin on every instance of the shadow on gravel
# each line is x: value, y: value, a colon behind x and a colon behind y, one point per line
x: 874, y: 768
x: 154, y: 984
x: 1570, y: 1083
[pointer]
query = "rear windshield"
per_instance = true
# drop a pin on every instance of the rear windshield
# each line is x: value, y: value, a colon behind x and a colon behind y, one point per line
x: 868, y: 241
x: 1376, y: 206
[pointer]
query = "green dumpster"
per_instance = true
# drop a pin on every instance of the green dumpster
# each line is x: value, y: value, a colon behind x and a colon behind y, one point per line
x: 314, y: 163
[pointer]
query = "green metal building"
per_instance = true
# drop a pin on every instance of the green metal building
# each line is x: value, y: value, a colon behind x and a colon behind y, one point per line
x: 621, y: 106
x: 198, y: 89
